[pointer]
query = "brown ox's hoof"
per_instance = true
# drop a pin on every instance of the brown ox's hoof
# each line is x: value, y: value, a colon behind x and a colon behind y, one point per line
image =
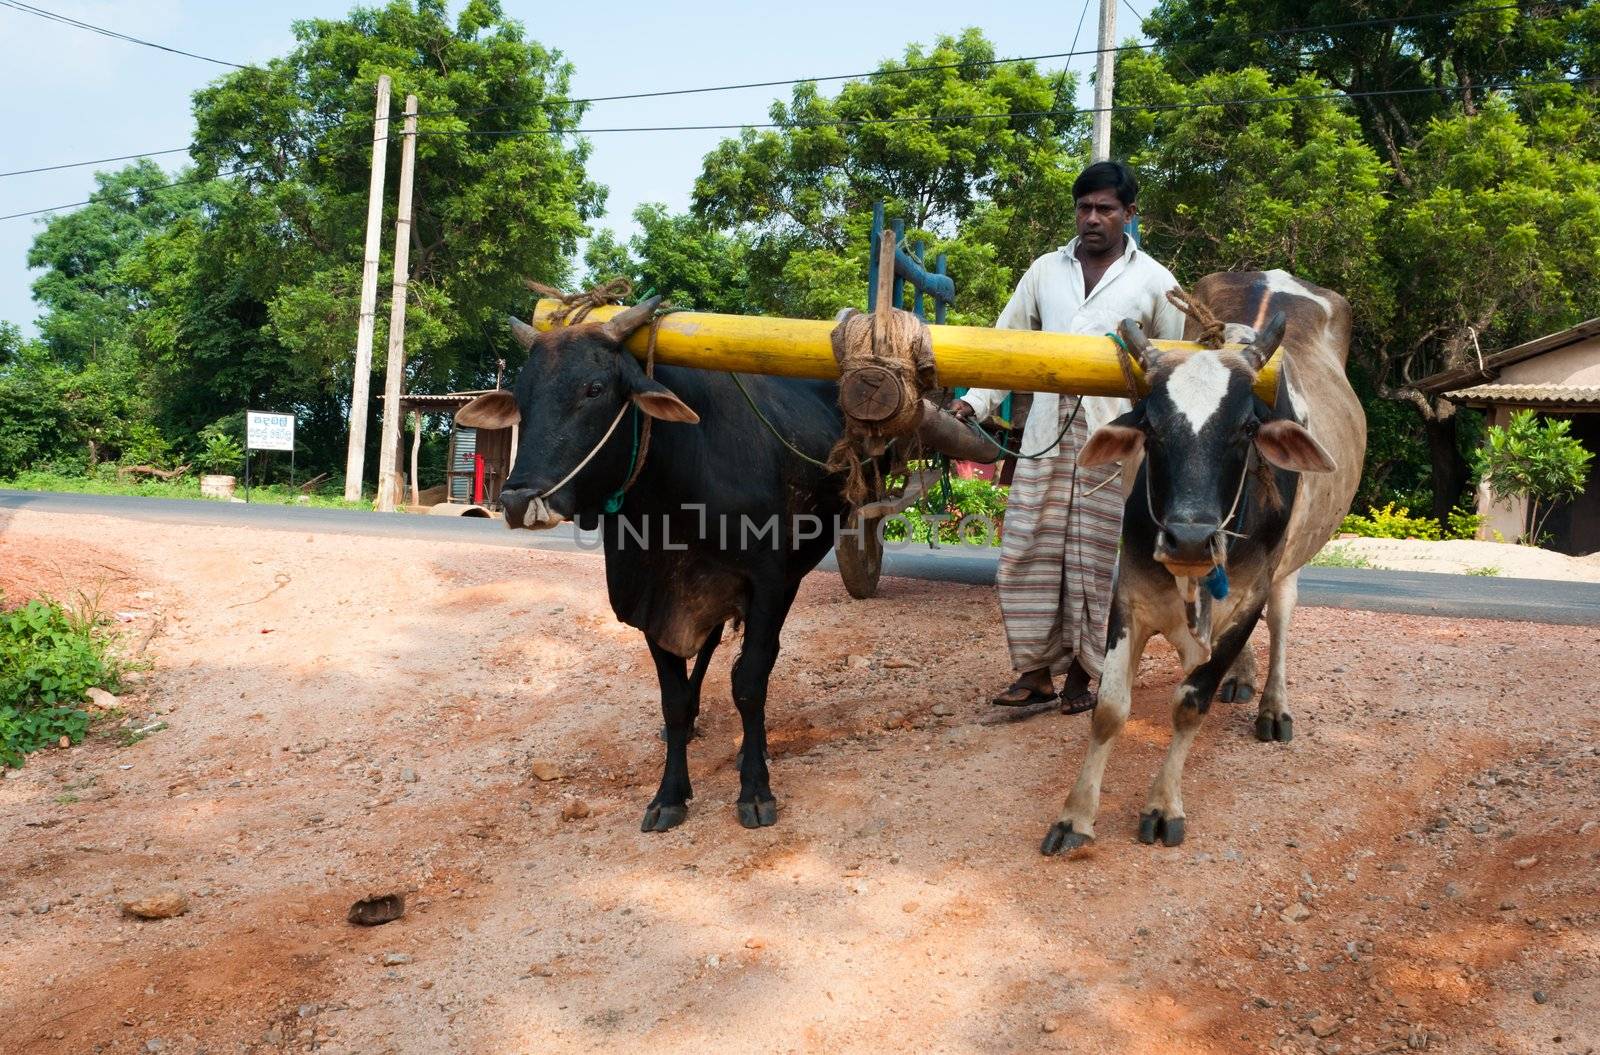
x: 1155, y: 825
x: 1062, y: 839
x: 1280, y: 729
x: 1235, y: 691
x: 659, y: 818
x: 762, y: 814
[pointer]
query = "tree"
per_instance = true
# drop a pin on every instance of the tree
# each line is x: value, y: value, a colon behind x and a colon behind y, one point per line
x: 1536, y: 460
x: 1489, y: 232
x: 678, y: 256
x: 500, y: 193
x: 929, y: 143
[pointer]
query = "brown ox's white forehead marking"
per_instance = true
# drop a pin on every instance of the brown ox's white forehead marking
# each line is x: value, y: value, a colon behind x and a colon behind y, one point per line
x: 1197, y: 386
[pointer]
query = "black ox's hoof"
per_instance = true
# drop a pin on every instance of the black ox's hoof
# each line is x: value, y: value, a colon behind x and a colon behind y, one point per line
x: 663, y: 818
x: 762, y: 814
x: 1235, y: 691
x: 1154, y: 825
x: 1062, y: 839
x: 1280, y: 728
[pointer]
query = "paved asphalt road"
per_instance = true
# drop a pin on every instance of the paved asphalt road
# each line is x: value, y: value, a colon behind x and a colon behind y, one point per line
x: 1421, y: 593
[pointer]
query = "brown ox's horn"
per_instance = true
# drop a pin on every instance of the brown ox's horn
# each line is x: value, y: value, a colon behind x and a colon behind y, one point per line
x: 1267, y: 340
x: 942, y: 431
x: 621, y: 326
x: 1138, y: 344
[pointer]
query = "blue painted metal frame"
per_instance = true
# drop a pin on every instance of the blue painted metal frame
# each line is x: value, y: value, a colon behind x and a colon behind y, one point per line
x: 910, y: 265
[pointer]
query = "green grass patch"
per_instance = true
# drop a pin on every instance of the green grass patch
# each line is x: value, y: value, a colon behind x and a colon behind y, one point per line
x: 1487, y: 570
x: 50, y: 657
x: 1337, y: 555
x: 106, y: 483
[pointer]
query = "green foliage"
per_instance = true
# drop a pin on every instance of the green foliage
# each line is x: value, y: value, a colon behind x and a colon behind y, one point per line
x: 1337, y: 555
x: 1536, y: 459
x: 680, y: 257
x: 220, y: 453
x: 968, y: 498
x: 803, y: 191
x: 1463, y: 524
x: 1485, y: 571
x: 171, y: 307
x: 49, y: 658
x: 1391, y: 522
x: 104, y: 481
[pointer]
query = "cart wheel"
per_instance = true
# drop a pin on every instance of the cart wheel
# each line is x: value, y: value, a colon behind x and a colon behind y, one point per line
x: 860, y: 559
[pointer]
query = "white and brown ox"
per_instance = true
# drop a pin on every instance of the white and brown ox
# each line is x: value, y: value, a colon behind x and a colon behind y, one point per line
x: 1226, y: 482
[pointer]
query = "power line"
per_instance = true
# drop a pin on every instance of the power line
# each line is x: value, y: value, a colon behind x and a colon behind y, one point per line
x: 143, y: 190
x: 1073, y: 53
x: 96, y: 161
x: 40, y: 12
x: 853, y: 122
x: 847, y: 122
x: 979, y: 63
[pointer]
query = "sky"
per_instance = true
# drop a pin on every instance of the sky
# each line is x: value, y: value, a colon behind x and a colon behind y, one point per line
x: 71, y: 95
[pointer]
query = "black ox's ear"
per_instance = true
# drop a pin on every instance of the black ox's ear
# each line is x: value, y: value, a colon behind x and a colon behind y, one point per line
x: 1120, y: 440
x: 651, y: 396
x: 492, y: 410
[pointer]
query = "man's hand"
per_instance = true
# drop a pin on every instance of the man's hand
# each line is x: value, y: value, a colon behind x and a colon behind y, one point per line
x: 960, y: 408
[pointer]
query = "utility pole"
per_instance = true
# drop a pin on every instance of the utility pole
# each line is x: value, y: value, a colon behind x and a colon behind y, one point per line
x: 395, y: 368
x: 355, y: 461
x: 1104, y: 73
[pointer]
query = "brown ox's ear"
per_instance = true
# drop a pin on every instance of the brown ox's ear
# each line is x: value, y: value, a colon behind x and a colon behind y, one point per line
x: 492, y: 410
x: 1267, y: 340
x: 621, y: 326
x: 1113, y: 442
x: 1289, y: 446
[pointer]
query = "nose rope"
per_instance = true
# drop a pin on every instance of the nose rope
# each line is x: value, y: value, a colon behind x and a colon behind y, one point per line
x: 590, y: 456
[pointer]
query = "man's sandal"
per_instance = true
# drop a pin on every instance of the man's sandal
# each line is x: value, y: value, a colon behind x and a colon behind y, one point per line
x: 1020, y: 695
x: 1079, y: 702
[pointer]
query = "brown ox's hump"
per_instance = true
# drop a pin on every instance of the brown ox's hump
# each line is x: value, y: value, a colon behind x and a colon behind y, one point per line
x: 1250, y: 298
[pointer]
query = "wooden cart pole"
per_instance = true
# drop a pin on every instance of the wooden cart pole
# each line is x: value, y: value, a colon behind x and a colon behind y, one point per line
x: 976, y: 357
x: 394, y: 369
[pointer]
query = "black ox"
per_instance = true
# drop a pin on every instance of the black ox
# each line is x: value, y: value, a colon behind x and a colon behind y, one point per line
x: 721, y: 523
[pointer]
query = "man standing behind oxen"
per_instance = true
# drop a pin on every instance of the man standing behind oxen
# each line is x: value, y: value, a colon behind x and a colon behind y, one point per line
x: 1062, y: 523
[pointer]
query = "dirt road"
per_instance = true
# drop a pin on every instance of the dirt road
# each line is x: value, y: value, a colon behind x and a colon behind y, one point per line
x: 348, y: 715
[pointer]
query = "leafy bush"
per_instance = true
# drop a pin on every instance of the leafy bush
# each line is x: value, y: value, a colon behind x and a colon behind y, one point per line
x: 975, y: 498
x: 1391, y: 522
x: 1535, y: 459
x: 221, y: 453
x: 1396, y: 521
x: 49, y: 658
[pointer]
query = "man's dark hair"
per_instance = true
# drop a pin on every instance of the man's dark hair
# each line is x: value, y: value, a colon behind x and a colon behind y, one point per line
x: 1104, y: 175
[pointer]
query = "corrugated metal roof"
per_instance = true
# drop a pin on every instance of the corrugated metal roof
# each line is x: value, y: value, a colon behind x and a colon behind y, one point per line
x: 1533, y: 395
x: 1488, y: 368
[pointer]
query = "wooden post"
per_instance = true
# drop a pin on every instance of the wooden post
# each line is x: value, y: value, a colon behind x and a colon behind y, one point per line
x: 394, y: 370
x: 356, y: 456
x: 1104, y: 73
x: 416, y: 442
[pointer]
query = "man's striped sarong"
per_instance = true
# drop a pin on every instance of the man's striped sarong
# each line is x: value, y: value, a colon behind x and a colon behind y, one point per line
x: 1058, y: 554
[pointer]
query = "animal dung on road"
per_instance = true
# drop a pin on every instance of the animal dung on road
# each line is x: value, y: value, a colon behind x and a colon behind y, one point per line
x: 372, y: 911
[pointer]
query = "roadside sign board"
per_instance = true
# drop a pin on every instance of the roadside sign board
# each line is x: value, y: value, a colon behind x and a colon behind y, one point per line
x: 269, y: 432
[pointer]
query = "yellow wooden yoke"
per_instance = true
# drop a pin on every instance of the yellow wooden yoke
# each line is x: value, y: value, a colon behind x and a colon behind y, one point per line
x: 968, y: 356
